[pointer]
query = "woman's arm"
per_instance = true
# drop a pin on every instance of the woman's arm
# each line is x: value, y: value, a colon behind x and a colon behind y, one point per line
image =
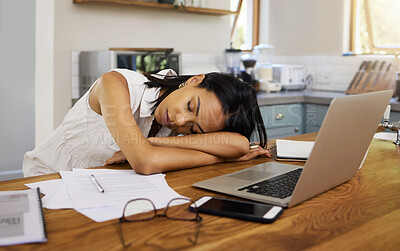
x: 257, y: 151
x: 222, y: 144
x: 110, y: 98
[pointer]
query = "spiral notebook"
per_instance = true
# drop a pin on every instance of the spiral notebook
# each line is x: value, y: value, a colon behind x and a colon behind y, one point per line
x: 21, y: 217
x: 290, y: 150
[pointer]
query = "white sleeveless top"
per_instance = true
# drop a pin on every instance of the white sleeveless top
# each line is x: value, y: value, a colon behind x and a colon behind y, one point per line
x: 83, y: 139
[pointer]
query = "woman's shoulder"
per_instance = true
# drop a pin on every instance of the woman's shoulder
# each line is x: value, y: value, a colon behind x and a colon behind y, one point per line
x: 132, y: 77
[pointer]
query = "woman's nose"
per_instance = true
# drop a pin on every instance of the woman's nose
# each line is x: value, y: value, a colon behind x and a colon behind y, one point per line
x: 182, y: 119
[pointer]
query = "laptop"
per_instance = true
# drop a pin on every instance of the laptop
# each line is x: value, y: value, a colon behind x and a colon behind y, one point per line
x: 339, y: 149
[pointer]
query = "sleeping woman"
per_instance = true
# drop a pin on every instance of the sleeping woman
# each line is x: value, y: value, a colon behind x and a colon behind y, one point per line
x: 157, y: 123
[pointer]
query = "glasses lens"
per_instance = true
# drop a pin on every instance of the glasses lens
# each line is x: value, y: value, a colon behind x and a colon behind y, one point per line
x: 139, y: 210
x: 179, y: 209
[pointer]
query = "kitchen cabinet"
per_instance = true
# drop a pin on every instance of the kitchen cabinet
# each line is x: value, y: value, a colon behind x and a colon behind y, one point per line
x: 394, y: 116
x: 292, y: 113
x: 293, y: 119
x: 282, y: 120
x: 313, y: 117
x: 157, y: 6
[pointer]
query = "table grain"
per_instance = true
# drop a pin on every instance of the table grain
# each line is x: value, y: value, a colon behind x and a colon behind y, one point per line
x: 361, y: 214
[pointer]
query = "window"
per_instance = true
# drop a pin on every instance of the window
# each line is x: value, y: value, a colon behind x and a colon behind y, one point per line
x: 245, y: 24
x: 375, y: 27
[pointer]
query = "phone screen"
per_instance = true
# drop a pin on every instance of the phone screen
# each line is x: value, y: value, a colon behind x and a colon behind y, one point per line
x: 236, y: 207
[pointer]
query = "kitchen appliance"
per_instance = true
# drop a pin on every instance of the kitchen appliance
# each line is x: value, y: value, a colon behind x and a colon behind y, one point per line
x: 249, y: 61
x: 265, y: 54
x: 92, y: 64
x: 397, y: 86
x: 232, y: 61
x: 291, y: 77
x: 267, y: 82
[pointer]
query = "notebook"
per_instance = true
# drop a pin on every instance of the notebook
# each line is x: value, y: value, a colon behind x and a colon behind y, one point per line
x: 21, y: 217
x: 339, y: 149
x: 291, y: 150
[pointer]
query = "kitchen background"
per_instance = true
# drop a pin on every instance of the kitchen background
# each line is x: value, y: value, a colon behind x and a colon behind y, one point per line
x: 40, y: 42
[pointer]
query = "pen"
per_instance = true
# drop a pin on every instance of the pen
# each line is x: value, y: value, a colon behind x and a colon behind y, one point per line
x: 97, y: 184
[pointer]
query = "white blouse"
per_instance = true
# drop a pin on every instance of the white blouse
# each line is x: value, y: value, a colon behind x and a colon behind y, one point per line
x: 83, y: 139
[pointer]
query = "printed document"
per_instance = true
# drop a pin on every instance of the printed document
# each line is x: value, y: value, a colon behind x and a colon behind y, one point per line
x: 77, y: 190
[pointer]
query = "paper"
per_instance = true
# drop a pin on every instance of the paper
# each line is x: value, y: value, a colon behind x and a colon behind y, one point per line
x: 77, y: 190
x: 290, y: 149
x: 46, y: 187
x: 120, y: 187
x: 101, y: 214
x: 56, y: 196
x: 386, y: 136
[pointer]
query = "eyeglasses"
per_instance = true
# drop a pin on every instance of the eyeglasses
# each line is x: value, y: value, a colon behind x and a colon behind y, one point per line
x: 144, y: 209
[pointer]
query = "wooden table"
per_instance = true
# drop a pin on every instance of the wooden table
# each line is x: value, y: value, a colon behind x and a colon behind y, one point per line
x: 362, y: 214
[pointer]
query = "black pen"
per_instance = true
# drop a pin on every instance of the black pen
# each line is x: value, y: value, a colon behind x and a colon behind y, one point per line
x: 97, y: 184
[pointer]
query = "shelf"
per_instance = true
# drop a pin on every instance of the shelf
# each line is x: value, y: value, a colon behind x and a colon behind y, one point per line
x: 157, y: 6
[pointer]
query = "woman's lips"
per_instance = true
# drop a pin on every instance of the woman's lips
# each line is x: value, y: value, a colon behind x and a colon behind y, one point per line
x: 166, y: 120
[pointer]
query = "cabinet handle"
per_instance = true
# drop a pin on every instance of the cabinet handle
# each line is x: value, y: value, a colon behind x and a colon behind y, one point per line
x: 296, y: 129
x: 279, y: 116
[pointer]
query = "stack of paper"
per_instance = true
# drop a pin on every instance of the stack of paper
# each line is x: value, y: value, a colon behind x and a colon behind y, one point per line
x: 77, y: 190
x: 291, y: 150
x: 386, y: 136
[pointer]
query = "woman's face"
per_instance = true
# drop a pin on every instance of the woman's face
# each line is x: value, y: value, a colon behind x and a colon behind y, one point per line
x: 191, y: 109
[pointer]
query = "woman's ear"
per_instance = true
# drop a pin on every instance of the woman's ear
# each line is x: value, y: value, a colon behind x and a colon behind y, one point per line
x: 196, y: 80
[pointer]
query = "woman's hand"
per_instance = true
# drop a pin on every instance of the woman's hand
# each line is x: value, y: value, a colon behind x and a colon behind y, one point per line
x: 254, y: 151
x: 117, y: 158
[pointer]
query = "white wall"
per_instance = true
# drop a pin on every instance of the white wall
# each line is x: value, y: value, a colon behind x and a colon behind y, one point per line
x: 44, y: 72
x: 313, y: 33
x: 84, y: 27
x: 264, y: 21
x: 306, y: 27
x: 17, y: 69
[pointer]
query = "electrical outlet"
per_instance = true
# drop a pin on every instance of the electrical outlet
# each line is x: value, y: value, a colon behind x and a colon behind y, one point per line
x: 322, y: 77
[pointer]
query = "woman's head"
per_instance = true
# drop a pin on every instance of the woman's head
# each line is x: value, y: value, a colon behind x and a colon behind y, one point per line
x: 209, y: 103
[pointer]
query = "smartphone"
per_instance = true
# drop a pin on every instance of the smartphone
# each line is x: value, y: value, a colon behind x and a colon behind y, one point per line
x: 243, y: 210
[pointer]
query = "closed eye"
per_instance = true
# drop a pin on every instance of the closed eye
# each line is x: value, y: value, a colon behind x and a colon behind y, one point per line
x: 188, y: 106
x: 192, y: 131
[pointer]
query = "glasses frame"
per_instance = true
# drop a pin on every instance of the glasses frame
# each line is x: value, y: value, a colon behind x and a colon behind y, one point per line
x: 164, y: 214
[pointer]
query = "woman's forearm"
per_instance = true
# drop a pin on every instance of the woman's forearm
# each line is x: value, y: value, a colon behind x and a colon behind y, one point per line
x: 164, y: 159
x: 221, y: 144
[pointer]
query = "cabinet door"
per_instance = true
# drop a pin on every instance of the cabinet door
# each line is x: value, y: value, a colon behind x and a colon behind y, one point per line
x: 394, y: 116
x: 313, y: 117
x: 281, y: 121
x: 284, y: 131
x: 282, y: 115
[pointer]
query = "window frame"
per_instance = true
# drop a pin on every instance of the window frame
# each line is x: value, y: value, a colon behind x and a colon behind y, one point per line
x: 353, y: 23
x: 255, y: 22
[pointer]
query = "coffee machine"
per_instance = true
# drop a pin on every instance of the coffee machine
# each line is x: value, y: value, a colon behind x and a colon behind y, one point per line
x: 248, y: 74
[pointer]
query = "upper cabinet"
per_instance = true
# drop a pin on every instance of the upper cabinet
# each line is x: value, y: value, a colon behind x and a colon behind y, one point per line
x: 158, y: 6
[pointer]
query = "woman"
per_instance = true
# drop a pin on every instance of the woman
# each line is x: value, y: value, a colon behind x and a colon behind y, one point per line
x: 215, y: 112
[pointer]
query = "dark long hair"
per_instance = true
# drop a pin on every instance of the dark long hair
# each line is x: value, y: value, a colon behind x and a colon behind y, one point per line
x: 238, y: 99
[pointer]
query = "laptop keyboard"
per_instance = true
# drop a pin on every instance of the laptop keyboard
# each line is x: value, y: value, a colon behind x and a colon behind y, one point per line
x: 280, y: 186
